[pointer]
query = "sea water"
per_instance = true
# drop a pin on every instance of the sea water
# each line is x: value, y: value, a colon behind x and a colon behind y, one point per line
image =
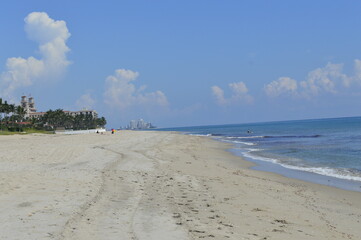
x: 326, y: 151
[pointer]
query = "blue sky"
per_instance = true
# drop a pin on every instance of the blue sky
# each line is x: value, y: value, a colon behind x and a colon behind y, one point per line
x: 184, y: 63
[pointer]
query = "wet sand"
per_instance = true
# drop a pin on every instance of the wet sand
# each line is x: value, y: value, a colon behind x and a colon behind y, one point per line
x: 158, y: 185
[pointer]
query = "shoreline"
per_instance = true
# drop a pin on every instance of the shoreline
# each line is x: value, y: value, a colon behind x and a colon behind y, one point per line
x: 277, y: 168
x: 324, y: 147
x: 265, y: 166
x: 158, y: 185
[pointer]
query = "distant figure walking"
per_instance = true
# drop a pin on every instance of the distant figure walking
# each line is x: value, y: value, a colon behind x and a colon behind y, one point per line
x: 113, y: 130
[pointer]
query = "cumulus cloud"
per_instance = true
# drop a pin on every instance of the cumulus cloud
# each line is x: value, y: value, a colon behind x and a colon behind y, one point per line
x: 85, y: 101
x: 51, y: 35
x: 122, y: 93
x: 357, y: 77
x: 219, y: 95
x: 239, y: 94
x: 239, y: 89
x: 324, y: 79
x: 284, y: 85
x: 328, y: 79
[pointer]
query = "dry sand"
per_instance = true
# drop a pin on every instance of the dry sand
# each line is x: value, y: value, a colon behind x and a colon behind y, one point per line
x: 157, y: 185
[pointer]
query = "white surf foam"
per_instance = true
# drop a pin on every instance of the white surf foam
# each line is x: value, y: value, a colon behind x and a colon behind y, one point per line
x: 238, y: 142
x: 250, y: 137
x: 325, y: 171
x: 200, y: 135
x: 342, y: 174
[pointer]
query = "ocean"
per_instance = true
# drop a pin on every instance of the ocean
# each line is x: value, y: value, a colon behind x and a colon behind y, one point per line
x: 326, y: 151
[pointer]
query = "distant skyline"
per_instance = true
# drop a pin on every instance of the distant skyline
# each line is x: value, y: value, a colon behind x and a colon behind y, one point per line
x: 184, y: 63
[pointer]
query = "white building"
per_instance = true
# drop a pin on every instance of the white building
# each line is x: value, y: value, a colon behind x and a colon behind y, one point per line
x: 28, y: 104
x: 139, y: 124
x: 30, y: 111
x: 133, y: 124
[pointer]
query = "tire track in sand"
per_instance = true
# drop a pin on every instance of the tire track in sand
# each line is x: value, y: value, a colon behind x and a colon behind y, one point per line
x: 110, y: 211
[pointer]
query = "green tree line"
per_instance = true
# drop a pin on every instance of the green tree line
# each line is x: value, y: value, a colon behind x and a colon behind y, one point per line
x: 59, y: 119
x: 12, y: 118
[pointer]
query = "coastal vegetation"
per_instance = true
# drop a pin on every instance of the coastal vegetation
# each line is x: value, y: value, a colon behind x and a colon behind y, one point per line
x: 13, y: 120
x: 59, y: 119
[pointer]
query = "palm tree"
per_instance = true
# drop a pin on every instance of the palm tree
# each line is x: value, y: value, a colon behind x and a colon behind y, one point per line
x: 20, y: 111
x: 5, y: 110
x: 68, y: 121
x: 89, y: 121
x: 1, y: 113
x: 56, y: 118
x: 101, y: 122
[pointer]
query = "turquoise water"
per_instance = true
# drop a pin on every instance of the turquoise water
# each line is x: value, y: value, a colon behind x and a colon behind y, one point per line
x: 327, y: 147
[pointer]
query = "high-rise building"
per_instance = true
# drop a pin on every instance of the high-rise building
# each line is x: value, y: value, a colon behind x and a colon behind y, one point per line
x: 133, y: 124
x: 28, y: 104
x: 32, y: 104
x: 139, y: 124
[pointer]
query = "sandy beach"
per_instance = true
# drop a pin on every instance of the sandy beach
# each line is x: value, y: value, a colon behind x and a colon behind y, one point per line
x: 158, y: 185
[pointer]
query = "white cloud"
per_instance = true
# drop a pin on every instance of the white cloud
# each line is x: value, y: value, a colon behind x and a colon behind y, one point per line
x: 284, y: 85
x: 85, y: 101
x: 51, y: 36
x: 238, y: 88
x: 328, y: 79
x: 219, y: 94
x: 357, y: 76
x: 239, y: 94
x: 122, y: 93
x: 323, y: 79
